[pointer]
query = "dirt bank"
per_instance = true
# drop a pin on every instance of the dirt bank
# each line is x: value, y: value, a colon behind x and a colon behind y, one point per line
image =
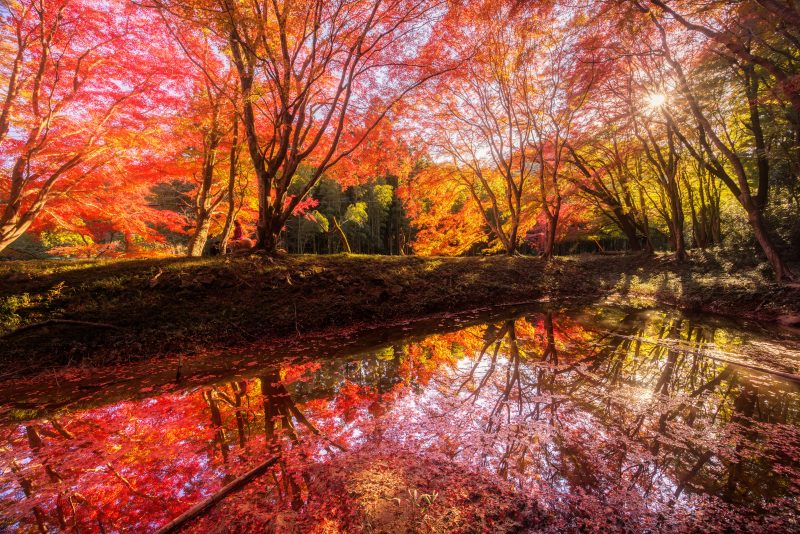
x: 57, y: 313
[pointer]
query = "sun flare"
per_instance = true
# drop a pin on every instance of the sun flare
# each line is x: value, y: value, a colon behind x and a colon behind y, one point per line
x: 656, y: 100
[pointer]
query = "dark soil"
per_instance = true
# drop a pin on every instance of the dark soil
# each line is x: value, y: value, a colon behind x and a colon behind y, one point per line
x: 169, y: 306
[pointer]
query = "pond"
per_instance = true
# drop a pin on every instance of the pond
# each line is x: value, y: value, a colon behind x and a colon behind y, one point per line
x: 596, y: 419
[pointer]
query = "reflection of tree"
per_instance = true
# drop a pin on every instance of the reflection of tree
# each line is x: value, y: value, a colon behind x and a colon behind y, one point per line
x: 690, y: 394
x: 233, y: 395
x: 44, y: 442
x: 36, y: 443
x: 279, y: 420
x: 582, y: 419
x: 625, y: 411
x: 240, y: 393
x: 283, y: 419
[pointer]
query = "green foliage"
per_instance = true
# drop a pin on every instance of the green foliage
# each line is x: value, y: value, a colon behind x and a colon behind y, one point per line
x: 370, y: 214
x: 458, y: 202
x: 321, y: 221
x: 15, y: 307
x: 356, y: 214
x: 64, y: 238
x: 9, y: 306
x: 384, y: 194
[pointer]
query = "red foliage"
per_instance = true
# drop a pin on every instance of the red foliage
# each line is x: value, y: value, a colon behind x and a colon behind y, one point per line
x: 536, y: 423
x: 83, y: 89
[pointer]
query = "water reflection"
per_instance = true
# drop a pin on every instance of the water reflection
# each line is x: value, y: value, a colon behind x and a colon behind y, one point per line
x: 595, y: 420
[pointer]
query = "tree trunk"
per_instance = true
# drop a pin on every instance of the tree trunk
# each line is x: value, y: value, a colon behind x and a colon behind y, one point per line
x: 628, y: 226
x: 231, y: 193
x: 677, y: 229
x: 401, y: 243
x: 13, y: 221
x: 268, y: 240
x: 742, y: 191
x: 780, y: 268
x: 204, y: 204
x: 550, y: 235
x: 648, y: 243
x: 342, y: 236
x: 10, y: 233
x: 197, y: 243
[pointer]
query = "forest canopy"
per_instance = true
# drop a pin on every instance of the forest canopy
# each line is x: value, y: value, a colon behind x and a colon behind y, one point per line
x: 435, y: 127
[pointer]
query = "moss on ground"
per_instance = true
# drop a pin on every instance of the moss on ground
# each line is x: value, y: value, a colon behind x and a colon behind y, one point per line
x: 166, y: 306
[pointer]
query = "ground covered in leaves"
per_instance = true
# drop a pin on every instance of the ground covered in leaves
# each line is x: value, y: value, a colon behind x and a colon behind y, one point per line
x: 64, y: 312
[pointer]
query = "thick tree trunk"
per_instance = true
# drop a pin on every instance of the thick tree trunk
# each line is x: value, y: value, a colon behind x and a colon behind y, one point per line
x: 14, y: 221
x: 782, y: 271
x: 268, y: 231
x: 10, y: 233
x: 628, y: 226
x: 263, y: 240
x: 206, y: 203
x: 267, y: 241
x: 197, y: 242
x: 751, y: 84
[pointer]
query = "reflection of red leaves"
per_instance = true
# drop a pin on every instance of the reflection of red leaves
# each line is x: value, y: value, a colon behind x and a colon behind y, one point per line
x: 563, y: 447
x: 299, y: 372
x: 352, y: 398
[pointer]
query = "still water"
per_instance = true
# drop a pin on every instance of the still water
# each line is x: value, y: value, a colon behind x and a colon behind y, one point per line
x: 597, y: 419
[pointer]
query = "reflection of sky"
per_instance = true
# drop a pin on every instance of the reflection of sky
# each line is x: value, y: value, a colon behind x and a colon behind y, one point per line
x: 555, y: 428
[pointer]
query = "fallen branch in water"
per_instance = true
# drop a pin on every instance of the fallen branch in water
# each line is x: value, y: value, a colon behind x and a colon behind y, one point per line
x: 199, y: 509
x: 58, y: 321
